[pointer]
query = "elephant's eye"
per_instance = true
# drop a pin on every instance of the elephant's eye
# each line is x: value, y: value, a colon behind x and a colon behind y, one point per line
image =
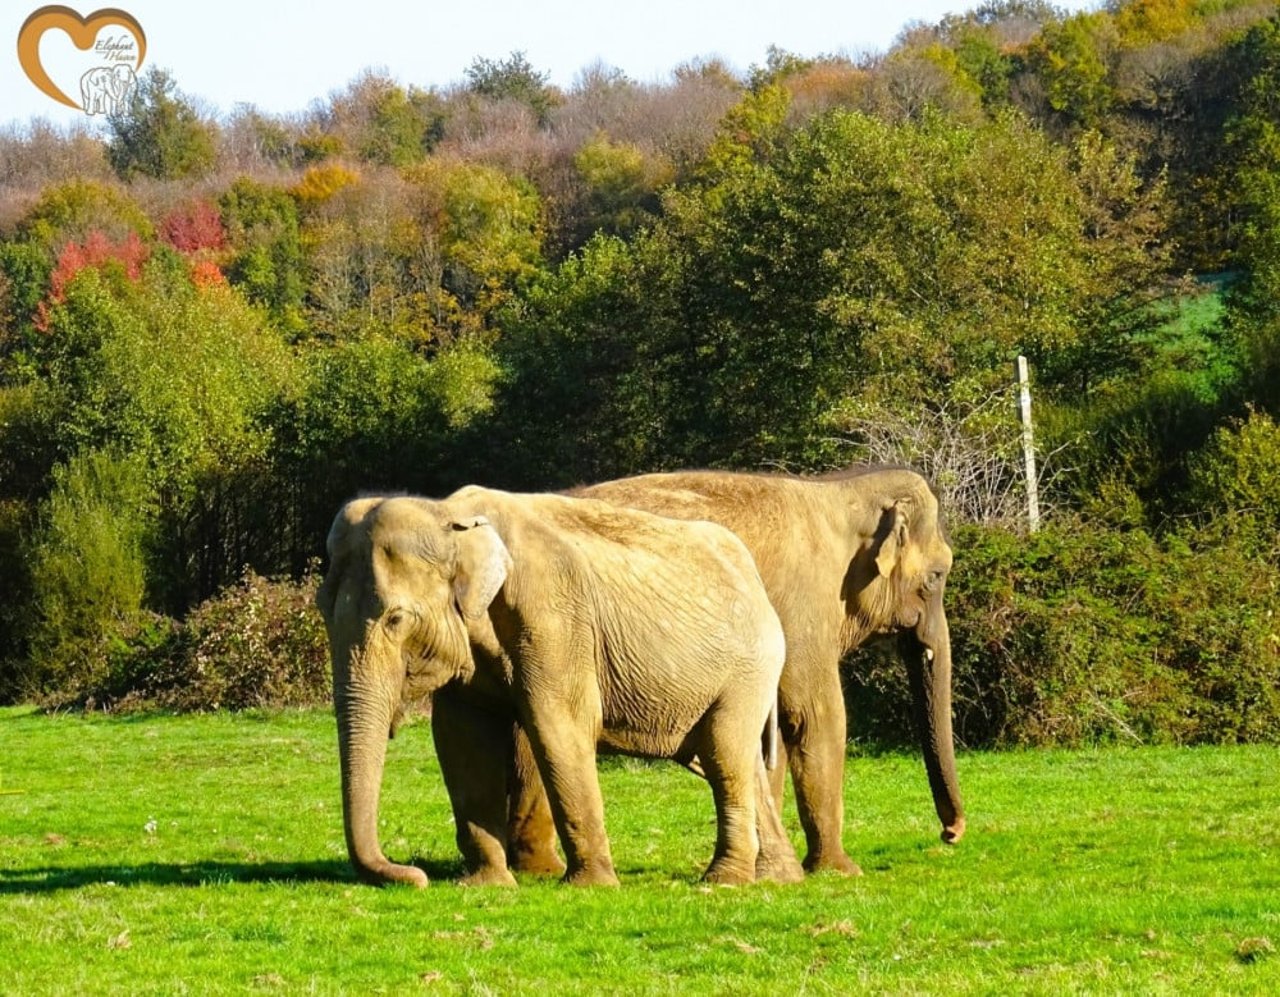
x: 395, y: 619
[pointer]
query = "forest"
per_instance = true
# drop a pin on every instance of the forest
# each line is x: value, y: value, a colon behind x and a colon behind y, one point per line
x: 214, y: 329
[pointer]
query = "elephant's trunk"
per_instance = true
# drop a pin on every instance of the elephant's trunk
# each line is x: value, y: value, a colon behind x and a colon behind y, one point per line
x: 364, y: 721
x: 928, y: 654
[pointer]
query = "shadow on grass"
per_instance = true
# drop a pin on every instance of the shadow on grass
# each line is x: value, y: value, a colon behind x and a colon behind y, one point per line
x: 50, y: 879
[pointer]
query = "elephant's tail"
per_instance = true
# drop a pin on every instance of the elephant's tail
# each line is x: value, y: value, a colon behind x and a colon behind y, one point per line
x: 770, y: 737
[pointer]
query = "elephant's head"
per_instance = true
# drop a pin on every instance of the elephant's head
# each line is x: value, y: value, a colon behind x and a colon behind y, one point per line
x: 901, y: 592
x: 122, y: 81
x: 405, y: 578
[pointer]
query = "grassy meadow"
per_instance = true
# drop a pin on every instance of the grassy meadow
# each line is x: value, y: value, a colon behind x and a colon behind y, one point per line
x: 199, y: 854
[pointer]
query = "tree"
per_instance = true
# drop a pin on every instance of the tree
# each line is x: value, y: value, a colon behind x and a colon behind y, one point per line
x: 488, y: 227
x: 70, y: 211
x: 1142, y: 22
x: 160, y: 135
x: 373, y: 266
x: 858, y: 267
x: 749, y: 131
x: 261, y: 225
x: 1253, y: 137
x: 589, y: 347
x: 374, y: 412
x: 515, y: 79
x: 1071, y: 59
x: 382, y: 122
x: 621, y: 186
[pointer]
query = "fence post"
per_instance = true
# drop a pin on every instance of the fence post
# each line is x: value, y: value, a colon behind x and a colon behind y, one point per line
x: 1028, y: 445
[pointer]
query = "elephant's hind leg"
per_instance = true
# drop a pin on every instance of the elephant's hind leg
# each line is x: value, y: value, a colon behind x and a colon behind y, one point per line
x: 729, y: 754
x: 531, y: 835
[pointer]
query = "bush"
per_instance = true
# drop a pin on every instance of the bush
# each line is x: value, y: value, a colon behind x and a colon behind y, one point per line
x: 257, y: 644
x: 1086, y: 633
x: 88, y: 570
x: 1235, y: 484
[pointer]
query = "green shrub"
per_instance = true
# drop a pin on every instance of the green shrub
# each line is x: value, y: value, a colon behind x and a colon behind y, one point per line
x: 1089, y: 633
x: 257, y: 644
x: 87, y: 560
x: 15, y: 596
x: 1235, y: 484
x: 1046, y: 647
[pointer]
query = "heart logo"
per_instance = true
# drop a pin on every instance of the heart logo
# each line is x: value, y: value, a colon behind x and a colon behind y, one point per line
x: 103, y: 88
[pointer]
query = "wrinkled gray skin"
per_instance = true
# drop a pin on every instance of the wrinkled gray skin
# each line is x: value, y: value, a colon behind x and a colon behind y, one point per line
x: 844, y: 558
x: 592, y: 627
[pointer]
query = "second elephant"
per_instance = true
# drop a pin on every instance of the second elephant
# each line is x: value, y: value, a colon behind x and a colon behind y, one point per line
x: 844, y: 558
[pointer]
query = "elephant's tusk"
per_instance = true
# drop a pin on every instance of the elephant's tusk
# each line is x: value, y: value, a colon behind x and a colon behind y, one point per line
x: 928, y: 654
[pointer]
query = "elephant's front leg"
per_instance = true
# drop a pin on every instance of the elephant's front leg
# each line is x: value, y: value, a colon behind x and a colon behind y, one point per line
x: 474, y: 748
x: 812, y: 721
x: 531, y: 831
x: 564, y: 745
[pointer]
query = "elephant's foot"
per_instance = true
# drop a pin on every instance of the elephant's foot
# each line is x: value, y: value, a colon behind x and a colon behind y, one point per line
x: 724, y: 872
x: 837, y: 862
x: 591, y: 875
x: 778, y: 869
x: 491, y: 875
x: 537, y: 862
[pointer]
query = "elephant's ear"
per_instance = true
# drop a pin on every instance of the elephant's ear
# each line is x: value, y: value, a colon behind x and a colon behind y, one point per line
x: 349, y: 517
x: 327, y: 596
x: 893, y: 542
x: 483, y: 564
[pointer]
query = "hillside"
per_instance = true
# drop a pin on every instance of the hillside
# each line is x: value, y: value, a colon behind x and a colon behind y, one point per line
x: 212, y: 332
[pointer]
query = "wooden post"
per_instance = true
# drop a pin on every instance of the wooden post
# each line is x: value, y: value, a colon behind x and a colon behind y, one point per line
x: 1028, y: 445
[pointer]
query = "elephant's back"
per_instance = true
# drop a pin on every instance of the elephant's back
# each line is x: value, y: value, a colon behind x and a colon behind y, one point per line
x: 786, y: 524
x: 794, y: 529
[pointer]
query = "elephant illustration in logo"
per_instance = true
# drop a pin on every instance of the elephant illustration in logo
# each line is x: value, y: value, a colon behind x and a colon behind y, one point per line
x: 107, y: 89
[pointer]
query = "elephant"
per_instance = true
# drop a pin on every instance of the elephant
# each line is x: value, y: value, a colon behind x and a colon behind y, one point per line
x: 844, y: 557
x: 106, y: 89
x: 594, y: 627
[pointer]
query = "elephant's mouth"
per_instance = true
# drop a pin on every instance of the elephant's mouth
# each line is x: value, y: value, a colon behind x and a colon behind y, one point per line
x: 911, y: 618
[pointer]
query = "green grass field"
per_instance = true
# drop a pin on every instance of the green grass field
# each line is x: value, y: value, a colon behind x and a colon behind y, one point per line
x: 205, y: 854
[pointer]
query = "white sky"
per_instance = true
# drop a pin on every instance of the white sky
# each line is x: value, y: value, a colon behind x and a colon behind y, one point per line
x: 280, y: 56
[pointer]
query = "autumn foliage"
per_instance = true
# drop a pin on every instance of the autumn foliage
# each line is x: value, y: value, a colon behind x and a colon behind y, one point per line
x: 97, y: 250
x: 194, y: 227
x: 821, y: 261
